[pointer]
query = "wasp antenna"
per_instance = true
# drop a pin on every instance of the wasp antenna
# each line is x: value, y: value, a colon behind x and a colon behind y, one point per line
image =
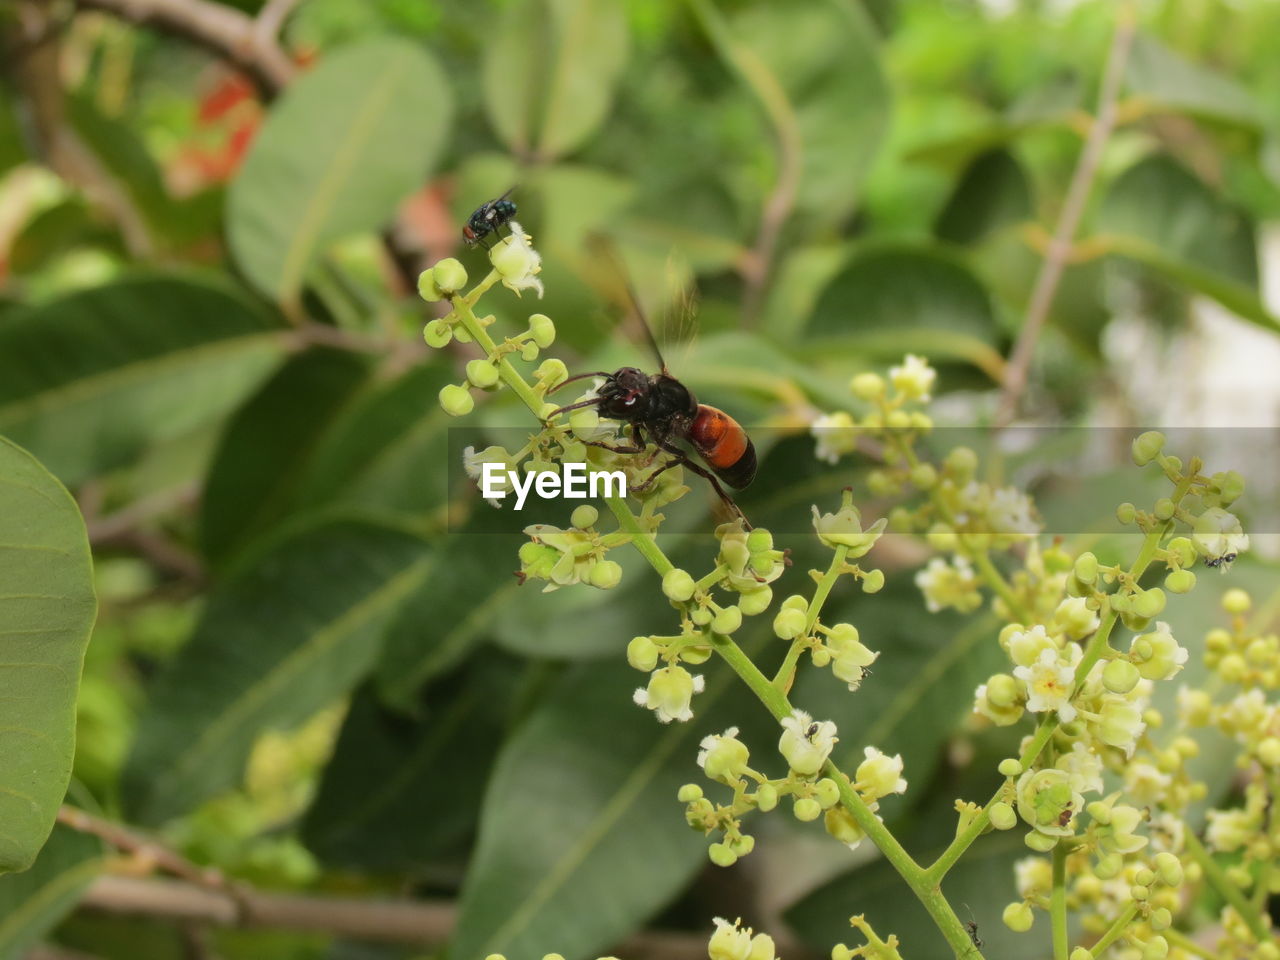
x: 604, y: 245
x: 593, y: 402
x: 578, y: 376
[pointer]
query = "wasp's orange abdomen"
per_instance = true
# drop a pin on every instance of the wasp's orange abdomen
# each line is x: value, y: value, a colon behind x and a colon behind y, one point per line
x: 725, y: 446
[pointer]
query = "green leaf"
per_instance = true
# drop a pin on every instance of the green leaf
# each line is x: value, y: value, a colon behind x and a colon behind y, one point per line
x: 1158, y: 201
x: 993, y: 192
x: 58, y: 230
x: 1165, y: 78
x: 89, y: 381
x: 32, y: 903
x: 895, y: 298
x: 469, y: 581
x: 297, y: 626
x: 47, y: 608
x: 581, y: 838
x: 826, y: 58
x: 345, y: 144
x: 264, y: 453
x: 384, y: 451
x: 383, y: 804
x: 550, y: 70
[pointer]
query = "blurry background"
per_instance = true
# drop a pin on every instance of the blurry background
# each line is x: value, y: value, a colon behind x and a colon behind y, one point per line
x: 313, y: 670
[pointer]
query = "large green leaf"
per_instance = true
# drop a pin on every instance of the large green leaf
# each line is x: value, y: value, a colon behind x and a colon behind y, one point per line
x: 993, y: 192
x: 380, y: 805
x: 550, y: 69
x: 292, y: 631
x: 47, y: 607
x: 88, y: 381
x: 32, y: 903
x: 826, y: 59
x: 346, y: 143
x: 1168, y: 80
x: 386, y: 450
x: 264, y: 452
x: 891, y: 299
x: 581, y: 839
x: 469, y: 581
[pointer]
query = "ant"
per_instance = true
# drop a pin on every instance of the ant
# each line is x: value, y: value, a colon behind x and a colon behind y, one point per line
x: 972, y: 926
x: 664, y: 408
x: 487, y: 218
x: 1226, y: 558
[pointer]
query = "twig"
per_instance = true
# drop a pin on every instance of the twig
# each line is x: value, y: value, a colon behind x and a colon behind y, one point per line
x: 271, y: 18
x: 223, y: 30
x: 150, y: 852
x: 1055, y: 260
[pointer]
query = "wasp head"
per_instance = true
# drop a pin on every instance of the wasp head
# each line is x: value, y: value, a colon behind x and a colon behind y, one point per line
x: 625, y: 395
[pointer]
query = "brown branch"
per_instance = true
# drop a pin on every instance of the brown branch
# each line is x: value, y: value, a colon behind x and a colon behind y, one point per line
x: 1055, y: 260
x: 222, y: 30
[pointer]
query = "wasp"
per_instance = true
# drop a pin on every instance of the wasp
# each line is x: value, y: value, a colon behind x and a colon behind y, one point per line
x: 662, y: 409
x: 487, y: 218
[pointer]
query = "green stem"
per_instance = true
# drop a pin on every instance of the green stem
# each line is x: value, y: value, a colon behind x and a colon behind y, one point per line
x: 1184, y: 942
x: 1226, y: 889
x: 509, y: 374
x: 782, y: 679
x: 1000, y: 585
x: 1116, y: 930
x: 1058, y: 903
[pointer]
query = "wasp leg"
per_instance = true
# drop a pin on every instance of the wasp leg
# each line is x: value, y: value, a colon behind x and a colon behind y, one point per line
x: 637, y: 444
x: 682, y: 458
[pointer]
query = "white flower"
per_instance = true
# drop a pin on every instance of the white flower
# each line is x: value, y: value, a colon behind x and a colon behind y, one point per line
x: 1010, y: 511
x: 1033, y: 875
x: 1120, y: 722
x: 670, y: 693
x: 1145, y: 783
x: 836, y: 435
x: 473, y: 465
x: 806, y: 743
x: 723, y: 756
x: 1085, y: 768
x: 1218, y: 535
x: 1025, y: 646
x: 729, y: 942
x: 1049, y: 684
x: 949, y: 585
x: 1074, y: 618
x: 1168, y: 833
x: 1157, y: 653
x: 1231, y: 829
x: 517, y: 262
x: 914, y: 379
x: 880, y: 775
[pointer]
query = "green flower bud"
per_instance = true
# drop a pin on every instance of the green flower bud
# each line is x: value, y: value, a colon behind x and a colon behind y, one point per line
x: 642, y: 653
x: 1147, y: 447
x: 542, y: 330
x: 867, y: 386
x: 1040, y: 842
x: 1180, y: 581
x: 766, y: 797
x: 1230, y: 487
x: 1108, y: 866
x: 701, y: 615
x: 584, y: 516
x: 529, y: 352
x: 1002, y: 816
x: 1018, y: 917
x: 961, y: 463
x: 1120, y: 676
x: 1184, y: 550
x: 924, y: 476
x: 828, y: 794
x: 1164, y: 508
x: 1236, y: 601
x: 1010, y: 767
x: 727, y: 620
x: 678, y: 585
x: 481, y: 372
x: 759, y: 541
x: 437, y: 333
x: 1161, y: 918
x: 606, y: 574
x: 789, y: 623
x: 872, y: 581
x: 427, y: 288
x: 796, y: 602
x: 689, y: 792
x: 1157, y: 948
x: 1149, y: 603
x: 1086, y: 568
x: 456, y: 400
x: 721, y: 855
x: 552, y: 372
x: 806, y: 809
x: 753, y: 602
x: 1003, y: 690
x: 1126, y: 513
x: 1081, y: 953
x: 450, y: 276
